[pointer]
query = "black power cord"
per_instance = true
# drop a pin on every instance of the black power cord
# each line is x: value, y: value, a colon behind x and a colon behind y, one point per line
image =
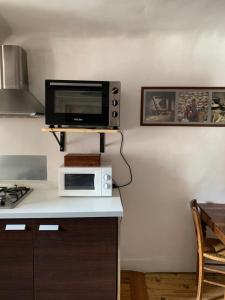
x: 126, y: 162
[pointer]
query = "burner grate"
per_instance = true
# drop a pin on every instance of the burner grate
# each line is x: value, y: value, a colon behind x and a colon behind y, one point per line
x: 11, y: 196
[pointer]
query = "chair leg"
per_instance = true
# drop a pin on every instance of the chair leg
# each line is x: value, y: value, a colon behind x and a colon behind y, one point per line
x: 200, y: 278
x: 197, y: 270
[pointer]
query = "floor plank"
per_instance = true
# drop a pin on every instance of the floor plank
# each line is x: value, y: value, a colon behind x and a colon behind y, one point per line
x: 133, y: 286
x: 178, y: 286
x: 125, y: 291
x: 166, y: 286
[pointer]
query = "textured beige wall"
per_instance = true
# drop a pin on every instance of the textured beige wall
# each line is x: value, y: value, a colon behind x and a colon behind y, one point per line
x: 171, y: 165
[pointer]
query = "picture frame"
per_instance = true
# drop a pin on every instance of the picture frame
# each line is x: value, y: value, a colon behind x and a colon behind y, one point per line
x: 183, y: 106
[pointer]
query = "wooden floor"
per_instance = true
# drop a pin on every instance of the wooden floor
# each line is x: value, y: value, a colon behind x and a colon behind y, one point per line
x: 133, y: 286
x: 165, y: 286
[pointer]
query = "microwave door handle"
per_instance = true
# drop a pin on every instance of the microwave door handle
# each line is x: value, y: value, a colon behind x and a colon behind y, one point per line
x: 97, y: 181
x: 75, y: 84
x: 94, y: 181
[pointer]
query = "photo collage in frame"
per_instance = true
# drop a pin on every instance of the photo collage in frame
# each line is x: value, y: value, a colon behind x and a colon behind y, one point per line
x: 183, y: 106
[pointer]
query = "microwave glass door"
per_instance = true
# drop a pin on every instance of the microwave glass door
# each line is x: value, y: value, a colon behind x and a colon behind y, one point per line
x: 79, y: 181
x: 77, y: 103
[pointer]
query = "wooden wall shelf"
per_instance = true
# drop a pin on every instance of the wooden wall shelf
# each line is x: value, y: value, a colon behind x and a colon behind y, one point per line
x: 79, y: 130
x: 63, y: 131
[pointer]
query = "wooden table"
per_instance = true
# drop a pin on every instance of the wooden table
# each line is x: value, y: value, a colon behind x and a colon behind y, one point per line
x: 213, y: 215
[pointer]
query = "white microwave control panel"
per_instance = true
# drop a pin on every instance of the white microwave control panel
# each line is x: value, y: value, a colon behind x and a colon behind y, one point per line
x: 106, y: 181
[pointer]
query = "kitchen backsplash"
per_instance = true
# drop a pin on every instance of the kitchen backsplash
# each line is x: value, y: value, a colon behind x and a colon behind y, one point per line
x: 23, y: 167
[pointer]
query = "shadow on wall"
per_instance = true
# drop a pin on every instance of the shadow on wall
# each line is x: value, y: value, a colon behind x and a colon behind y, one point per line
x: 96, y: 20
x: 162, y: 234
x: 41, y: 65
x: 5, y: 30
x: 101, y: 18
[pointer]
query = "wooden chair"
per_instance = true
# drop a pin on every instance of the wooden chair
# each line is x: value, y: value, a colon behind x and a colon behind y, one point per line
x: 207, y: 249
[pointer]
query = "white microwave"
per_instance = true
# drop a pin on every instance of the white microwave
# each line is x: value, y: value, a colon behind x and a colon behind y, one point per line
x: 85, y: 181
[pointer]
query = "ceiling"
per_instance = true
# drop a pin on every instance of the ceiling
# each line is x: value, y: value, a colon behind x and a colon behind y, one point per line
x: 107, y: 17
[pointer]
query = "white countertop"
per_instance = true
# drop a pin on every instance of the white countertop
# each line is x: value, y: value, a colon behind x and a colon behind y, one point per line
x: 45, y: 203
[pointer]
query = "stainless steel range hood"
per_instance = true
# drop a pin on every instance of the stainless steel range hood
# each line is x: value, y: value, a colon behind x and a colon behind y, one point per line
x: 15, y: 98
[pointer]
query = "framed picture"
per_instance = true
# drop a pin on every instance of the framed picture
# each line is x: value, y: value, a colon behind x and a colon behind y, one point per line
x: 195, y: 106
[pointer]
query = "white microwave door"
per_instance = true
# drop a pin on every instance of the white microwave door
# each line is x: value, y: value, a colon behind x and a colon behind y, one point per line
x: 80, y: 183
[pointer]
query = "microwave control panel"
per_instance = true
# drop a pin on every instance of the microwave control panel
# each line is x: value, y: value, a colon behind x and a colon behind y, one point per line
x: 114, y: 103
x: 106, y: 181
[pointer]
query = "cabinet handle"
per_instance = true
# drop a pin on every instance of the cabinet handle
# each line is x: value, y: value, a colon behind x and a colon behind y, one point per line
x: 10, y: 227
x: 48, y: 227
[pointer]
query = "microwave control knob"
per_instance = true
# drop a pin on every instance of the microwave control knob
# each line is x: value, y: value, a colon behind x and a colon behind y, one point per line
x: 115, y: 90
x: 115, y: 114
x: 106, y: 186
x: 107, y: 177
x: 115, y: 102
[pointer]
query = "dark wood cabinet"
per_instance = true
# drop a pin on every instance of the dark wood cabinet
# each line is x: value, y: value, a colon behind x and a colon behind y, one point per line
x: 16, y: 261
x: 78, y: 260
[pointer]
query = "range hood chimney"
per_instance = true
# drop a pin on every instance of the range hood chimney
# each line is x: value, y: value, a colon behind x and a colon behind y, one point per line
x: 15, y: 98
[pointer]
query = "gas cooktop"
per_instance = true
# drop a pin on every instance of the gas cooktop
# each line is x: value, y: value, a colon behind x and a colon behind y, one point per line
x: 10, y: 197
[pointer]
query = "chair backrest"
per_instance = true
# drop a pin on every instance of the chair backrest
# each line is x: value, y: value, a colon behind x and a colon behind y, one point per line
x: 198, y: 226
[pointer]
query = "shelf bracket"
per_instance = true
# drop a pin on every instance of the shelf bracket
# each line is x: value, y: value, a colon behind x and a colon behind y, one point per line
x: 102, y: 142
x: 61, y: 140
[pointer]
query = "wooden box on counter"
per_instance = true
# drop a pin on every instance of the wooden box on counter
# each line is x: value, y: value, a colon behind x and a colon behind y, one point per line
x: 82, y: 160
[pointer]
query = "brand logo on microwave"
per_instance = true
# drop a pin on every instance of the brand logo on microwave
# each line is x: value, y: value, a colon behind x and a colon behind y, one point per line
x: 78, y: 119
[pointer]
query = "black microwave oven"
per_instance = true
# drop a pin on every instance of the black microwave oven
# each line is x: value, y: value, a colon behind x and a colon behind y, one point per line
x: 79, y: 103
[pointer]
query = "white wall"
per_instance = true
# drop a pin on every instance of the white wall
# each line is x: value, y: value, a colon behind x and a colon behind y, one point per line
x: 171, y: 165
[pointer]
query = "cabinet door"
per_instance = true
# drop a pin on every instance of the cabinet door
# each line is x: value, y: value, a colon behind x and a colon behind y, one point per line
x: 77, y: 262
x: 16, y: 260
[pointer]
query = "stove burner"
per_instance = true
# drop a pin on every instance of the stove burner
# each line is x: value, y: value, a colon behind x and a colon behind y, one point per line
x: 10, y: 197
x: 2, y: 200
